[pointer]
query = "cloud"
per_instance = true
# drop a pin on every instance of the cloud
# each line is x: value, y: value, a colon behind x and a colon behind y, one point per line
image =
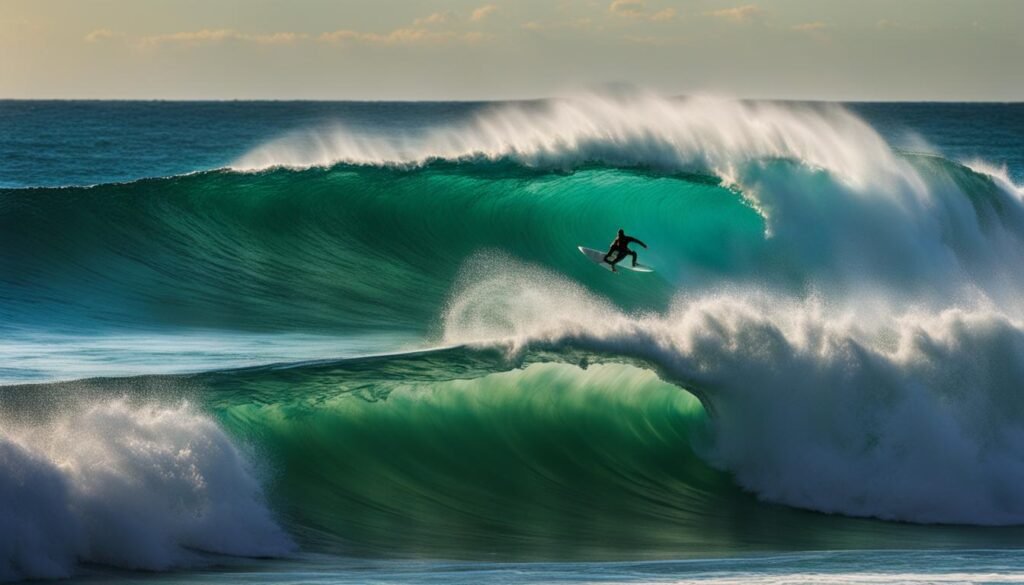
x: 401, y: 36
x: 737, y: 14
x: 435, y: 18
x: 483, y: 12
x: 578, y: 24
x: 655, y: 40
x: 627, y: 7
x: 638, y: 9
x: 810, y: 26
x: 449, y: 17
x: 815, y: 29
x: 209, y: 36
x: 101, y: 34
x: 663, y: 15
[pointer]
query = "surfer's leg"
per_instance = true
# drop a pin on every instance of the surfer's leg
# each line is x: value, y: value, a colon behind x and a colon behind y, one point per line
x: 616, y: 260
x: 631, y: 253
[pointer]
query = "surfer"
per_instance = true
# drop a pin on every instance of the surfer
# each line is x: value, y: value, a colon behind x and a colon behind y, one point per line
x: 620, y: 247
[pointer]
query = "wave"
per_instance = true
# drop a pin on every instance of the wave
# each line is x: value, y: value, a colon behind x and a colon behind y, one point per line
x: 696, y: 134
x: 577, y: 446
x: 916, y: 418
x: 137, y: 487
x: 341, y: 249
x: 833, y: 327
x: 330, y: 250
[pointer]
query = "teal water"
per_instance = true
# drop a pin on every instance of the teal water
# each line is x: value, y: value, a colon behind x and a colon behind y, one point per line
x: 368, y: 351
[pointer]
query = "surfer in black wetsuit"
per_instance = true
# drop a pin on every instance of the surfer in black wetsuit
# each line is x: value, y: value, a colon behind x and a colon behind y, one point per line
x: 620, y: 247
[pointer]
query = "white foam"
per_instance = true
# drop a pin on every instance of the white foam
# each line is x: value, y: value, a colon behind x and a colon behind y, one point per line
x: 139, y: 487
x: 999, y: 173
x: 902, y: 415
x: 703, y: 133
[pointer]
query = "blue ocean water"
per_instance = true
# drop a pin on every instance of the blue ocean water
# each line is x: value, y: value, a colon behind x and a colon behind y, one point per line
x: 60, y: 143
x: 354, y: 342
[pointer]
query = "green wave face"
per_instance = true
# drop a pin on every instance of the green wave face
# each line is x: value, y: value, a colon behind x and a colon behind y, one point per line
x: 463, y: 454
x: 548, y: 461
x: 348, y: 248
x: 453, y: 455
x: 353, y: 248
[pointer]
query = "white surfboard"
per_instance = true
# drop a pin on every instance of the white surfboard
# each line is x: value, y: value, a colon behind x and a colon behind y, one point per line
x: 597, y: 257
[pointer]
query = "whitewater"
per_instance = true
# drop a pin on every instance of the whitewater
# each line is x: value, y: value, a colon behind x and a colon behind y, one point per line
x: 324, y: 337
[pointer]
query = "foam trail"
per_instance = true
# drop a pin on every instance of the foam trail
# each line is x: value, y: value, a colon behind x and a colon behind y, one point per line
x: 915, y: 417
x: 138, y: 487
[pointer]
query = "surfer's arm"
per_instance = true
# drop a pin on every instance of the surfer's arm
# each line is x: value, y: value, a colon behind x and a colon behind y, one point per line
x: 632, y: 239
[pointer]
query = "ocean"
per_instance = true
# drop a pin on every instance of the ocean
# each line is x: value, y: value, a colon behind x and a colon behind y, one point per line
x: 297, y: 342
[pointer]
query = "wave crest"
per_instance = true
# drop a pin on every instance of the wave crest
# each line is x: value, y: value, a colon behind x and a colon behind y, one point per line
x: 138, y: 487
x: 641, y: 129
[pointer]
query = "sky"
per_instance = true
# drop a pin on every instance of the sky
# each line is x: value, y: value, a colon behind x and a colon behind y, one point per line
x: 930, y: 50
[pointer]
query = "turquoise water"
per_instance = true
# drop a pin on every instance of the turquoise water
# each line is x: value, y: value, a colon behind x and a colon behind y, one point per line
x: 356, y: 343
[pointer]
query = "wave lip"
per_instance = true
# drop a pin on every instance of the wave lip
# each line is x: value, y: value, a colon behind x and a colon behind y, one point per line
x: 694, y: 134
x: 136, y: 487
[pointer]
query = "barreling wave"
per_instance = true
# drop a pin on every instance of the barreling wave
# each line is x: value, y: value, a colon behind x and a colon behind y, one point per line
x: 833, y: 327
x: 331, y: 249
x: 342, y: 249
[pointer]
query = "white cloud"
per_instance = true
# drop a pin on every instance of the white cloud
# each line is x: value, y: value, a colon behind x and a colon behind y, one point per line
x: 631, y: 8
x: 401, y: 36
x: 816, y: 30
x: 435, y: 18
x: 483, y: 12
x: 208, y: 36
x: 578, y: 24
x: 810, y: 26
x: 101, y: 34
x: 638, y: 9
x: 663, y: 15
x: 738, y: 13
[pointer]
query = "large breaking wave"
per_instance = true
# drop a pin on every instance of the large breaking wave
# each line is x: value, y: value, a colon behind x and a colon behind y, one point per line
x: 138, y: 487
x: 833, y: 326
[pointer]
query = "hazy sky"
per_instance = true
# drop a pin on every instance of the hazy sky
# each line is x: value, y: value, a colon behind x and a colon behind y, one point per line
x: 473, y: 49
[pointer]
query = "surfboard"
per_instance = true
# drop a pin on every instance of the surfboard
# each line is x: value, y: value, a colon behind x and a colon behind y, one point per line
x: 597, y: 257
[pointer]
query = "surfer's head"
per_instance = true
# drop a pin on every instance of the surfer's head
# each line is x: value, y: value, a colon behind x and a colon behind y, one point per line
x: 621, y: 233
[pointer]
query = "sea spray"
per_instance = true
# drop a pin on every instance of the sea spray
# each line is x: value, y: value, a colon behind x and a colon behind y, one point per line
x: 914, y: 418
x: 132, y: 486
